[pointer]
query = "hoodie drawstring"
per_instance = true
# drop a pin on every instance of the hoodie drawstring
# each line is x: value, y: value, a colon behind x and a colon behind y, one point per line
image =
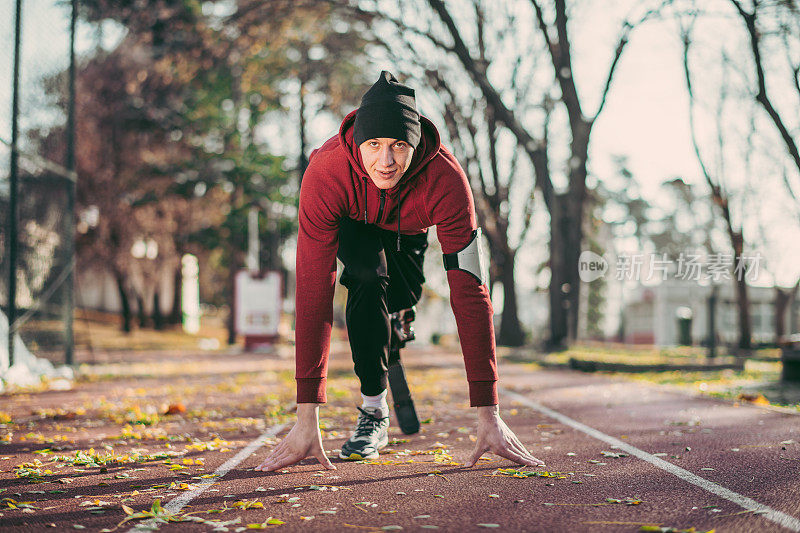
x: 365, y: 199
x: 399, y: 204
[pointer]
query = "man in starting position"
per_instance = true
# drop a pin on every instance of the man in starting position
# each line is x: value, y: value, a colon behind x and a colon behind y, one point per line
x: 368, y: 197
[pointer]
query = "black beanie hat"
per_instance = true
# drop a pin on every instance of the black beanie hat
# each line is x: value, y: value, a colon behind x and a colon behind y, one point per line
x: 388, y: 109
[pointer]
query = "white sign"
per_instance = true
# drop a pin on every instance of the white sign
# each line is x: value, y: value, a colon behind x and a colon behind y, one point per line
x: 190, y: 294
x: 258, y: 303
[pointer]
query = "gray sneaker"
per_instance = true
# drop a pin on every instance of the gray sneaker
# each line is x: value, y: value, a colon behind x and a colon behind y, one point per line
x: 370, y: 436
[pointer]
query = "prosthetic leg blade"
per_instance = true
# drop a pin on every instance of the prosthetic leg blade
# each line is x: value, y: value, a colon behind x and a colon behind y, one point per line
x: 403, y: 404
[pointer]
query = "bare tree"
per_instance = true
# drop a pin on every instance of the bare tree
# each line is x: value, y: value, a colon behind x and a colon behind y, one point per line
x: 492, y: 197
x: 567, y: 207
x: 472, y: 125
x: 489, y: 155
x: 719, y: 195
x: 492, y: 158
x: 785, y: 21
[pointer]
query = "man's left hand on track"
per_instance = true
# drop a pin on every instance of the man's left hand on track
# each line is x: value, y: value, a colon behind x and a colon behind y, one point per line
x: 496, y: 437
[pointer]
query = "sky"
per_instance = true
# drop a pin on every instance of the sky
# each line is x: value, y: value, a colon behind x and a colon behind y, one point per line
x: 645, y: 118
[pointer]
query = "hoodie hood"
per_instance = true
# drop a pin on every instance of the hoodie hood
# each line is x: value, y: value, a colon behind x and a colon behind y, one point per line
x: 426, y: 150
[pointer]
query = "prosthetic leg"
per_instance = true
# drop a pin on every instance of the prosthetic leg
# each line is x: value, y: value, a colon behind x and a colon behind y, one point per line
x: 402, y: 332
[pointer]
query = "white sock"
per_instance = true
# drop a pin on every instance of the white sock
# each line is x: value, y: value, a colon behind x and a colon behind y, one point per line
x: 374, y: 402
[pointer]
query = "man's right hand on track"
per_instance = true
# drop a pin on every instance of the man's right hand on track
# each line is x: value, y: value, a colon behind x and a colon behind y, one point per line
x: 304, y: 440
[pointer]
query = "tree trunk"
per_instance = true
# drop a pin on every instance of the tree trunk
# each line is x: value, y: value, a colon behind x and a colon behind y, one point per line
x: 572, y: 235
x: 158, y: 318
x: 176, y: 315
x: 232, y: 269
x: 742, y: 300
x: 271, y: 244
x: 302, y: 163
x: 595, y: 302
x: 579, y: 155
x: 141, y: 312
x: 566, y: 239
x: 782, y: 299
x: 558, y: 303
x: 511, y: 333
x: 712, y: 322
x: 124, y: 303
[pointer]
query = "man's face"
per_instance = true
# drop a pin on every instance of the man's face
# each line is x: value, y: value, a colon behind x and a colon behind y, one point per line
x: 386, y: 160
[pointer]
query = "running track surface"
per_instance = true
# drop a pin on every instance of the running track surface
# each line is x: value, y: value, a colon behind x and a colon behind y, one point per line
x: 689, y: 461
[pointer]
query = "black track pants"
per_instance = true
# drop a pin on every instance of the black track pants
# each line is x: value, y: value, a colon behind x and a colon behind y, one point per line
x: 380, y: 281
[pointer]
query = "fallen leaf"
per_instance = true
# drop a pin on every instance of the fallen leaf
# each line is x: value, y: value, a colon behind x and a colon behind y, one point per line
x: 175, y: 409
x: 614, y: 454
x: 757, y: 399
x: 248, y: 504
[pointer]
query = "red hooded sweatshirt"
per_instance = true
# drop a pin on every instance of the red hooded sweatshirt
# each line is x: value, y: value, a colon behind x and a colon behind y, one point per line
x: 434, y: 191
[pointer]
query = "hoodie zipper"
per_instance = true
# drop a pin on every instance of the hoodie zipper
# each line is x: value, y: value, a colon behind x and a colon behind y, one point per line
x: 380, y: 207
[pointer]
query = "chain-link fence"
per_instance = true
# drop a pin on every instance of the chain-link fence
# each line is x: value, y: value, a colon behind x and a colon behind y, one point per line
x: 39, y: 240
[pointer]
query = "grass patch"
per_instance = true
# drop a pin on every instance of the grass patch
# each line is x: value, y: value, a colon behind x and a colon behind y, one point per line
x: 99, y: 331
x: 759, y: 381
x: 631, y: 355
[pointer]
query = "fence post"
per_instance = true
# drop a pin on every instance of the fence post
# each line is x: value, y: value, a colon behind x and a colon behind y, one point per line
x: 69, y: 303
x: 12, y: 192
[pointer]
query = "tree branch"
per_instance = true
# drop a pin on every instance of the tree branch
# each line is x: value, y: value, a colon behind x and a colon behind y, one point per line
x: 544, y: 28
x: 455, y: 119
x: 500, y: 194
x: 762, y: 97
x: 627, y: 28
x: 562, y: 61
x: 479, y: 20
x: 796, y: 73
x: 623, y: 40
x: 402, y: 26
x: 531, y: 146
x: 685, y: 36
x: 529, y: 205
x: 718, y: 195
x: 786, y: 31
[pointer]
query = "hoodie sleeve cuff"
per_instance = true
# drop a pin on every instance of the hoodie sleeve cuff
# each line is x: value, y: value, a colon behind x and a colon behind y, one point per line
x: 311, y: 390
x: 482, y: 393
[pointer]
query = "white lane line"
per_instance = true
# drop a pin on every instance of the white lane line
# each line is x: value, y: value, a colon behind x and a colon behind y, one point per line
x: 175, y: 505
x: 769, y: 513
